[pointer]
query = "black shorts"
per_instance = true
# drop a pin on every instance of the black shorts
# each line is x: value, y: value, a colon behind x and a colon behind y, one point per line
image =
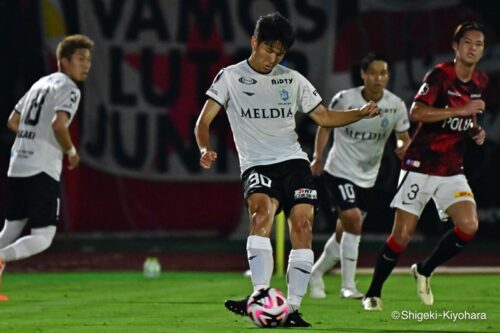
x: 35, y: 198
x: 346, y: 194
x: 290, y: 182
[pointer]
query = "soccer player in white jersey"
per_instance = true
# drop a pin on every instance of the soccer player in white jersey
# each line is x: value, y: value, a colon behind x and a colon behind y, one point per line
x: 261, y: 99
x: 352, y: 167
x: 41, y: 119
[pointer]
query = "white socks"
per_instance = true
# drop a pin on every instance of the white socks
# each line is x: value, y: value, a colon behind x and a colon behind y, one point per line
x: 260, y: 260
x: 39, y: 240
x: 349, y: 258
x: 300, y: 264
x: 346, y: 252
x: 329, y: 257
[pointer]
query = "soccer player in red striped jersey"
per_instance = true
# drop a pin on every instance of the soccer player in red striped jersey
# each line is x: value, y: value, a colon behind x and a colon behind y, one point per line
x: 445, y: 108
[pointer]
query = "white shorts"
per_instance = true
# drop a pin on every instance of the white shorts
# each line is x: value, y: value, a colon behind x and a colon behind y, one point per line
x: 416, y: 189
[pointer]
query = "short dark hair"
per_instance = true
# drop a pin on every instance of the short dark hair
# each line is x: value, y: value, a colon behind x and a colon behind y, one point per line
x: 274, y: 27
x: 70, y: 44
x: 371, y: 57
x: 468, y: 26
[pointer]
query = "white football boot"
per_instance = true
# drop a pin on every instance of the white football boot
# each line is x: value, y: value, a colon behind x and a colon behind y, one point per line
x: 424, y: 290
x: 372, y: 304
x: 351, y: 293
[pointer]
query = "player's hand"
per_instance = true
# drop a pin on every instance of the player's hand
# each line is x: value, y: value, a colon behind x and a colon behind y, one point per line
x: 473, y: 107
x: 207, y: 158
x: 316, y: 167
x: 369, y: 110
x: 400, y: 149
x: 478, y: 134
x: 74, y: 161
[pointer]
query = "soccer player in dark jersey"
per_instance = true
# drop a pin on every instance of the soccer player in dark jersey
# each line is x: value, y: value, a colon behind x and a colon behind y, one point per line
x: 445, y: 108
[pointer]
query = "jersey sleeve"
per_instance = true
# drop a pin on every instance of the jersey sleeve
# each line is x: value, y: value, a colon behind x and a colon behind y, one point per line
x: 481, y: 79
x: 431, y: 87
x: 67, y: 98
x: 21, y: 103
x: 219, y: 91
x: 309, y: 97
x: 402, y: 121
x: 337, y: 101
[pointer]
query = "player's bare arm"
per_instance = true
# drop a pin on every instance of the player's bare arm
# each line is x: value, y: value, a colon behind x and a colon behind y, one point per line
x: 61, y: 132
x: 403, y: 141
x: 202, y: 133
x: 335, y: 118
x: 13, y: 122
x: 420, y: 112
x: 322, y: 135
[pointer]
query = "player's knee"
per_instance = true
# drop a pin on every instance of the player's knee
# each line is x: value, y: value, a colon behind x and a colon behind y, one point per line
x: 352, y: 221
x: 352, y: 226
x: 261, y: 218
x: 402, y: 237
x: 468, y: 226
x: 302, y: 225
x: 45, y: 236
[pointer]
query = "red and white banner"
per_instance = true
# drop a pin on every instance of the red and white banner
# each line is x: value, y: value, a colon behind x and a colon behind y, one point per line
x: 152, y: 63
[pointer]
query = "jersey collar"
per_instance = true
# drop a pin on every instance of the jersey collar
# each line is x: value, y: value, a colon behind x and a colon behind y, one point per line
x: 256, y: 71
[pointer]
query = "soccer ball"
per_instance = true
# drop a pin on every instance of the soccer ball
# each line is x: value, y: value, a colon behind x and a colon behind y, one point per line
x: 267, y: 308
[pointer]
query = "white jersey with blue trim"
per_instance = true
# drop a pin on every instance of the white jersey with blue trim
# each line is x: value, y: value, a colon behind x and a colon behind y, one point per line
x: 261, y: 109
x: 357, y: 148
x: 36, y: 149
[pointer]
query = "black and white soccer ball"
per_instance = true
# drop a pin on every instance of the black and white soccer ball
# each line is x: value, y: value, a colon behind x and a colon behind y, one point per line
x: 267, y: 308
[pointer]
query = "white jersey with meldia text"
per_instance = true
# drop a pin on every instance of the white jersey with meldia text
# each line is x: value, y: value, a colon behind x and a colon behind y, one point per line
x: 36, y: 149
x: 261, y: 109
x: 357, y: 148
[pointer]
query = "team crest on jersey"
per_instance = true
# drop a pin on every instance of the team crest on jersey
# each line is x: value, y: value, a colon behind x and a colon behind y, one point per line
x: 423, y: 89
x: 247, y: 80
x: 306, y: 193
x: 384, y: 123
x: 284, y: 95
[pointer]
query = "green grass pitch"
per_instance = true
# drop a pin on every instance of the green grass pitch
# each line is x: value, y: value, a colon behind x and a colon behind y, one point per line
x: 193, y: 302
